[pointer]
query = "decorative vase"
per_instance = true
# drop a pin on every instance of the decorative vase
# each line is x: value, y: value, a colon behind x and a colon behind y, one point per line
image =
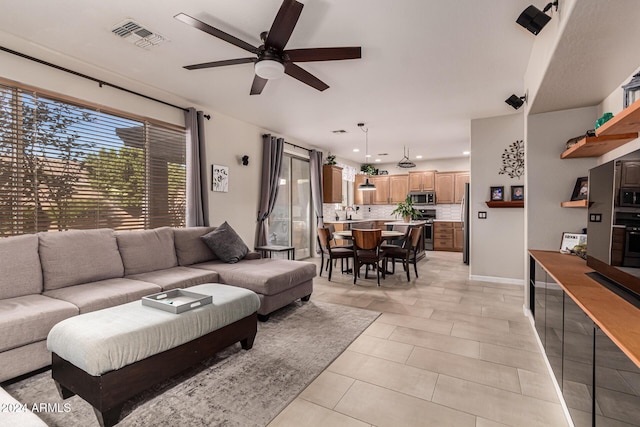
x: 407, y: 218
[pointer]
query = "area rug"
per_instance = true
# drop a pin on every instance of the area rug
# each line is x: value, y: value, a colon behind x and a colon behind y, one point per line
x: 234, y: 388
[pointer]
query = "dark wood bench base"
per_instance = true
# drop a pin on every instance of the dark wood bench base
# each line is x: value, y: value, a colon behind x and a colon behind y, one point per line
x: 108, y: 392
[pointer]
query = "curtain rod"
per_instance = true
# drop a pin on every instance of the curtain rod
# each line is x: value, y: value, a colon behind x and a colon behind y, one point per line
x: 75, y: 73
x: 292, y: 144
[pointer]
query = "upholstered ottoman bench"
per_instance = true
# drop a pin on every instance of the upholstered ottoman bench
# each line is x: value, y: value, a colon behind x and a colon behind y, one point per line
x: 108, y: 356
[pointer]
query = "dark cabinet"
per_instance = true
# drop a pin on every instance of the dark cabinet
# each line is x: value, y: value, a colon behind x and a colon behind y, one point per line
x: 630, y: 174
x: 577, y: 370
x: 599, y: 383
x: 617, y: 385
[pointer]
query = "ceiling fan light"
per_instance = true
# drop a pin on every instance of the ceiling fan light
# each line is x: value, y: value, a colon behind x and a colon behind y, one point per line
x: 269, y: 69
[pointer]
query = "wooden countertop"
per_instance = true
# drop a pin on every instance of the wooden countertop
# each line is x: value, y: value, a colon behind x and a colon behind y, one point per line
x: 616, y: 317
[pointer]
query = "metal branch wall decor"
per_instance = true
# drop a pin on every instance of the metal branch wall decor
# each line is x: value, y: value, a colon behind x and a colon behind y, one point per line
x: 513, y: 160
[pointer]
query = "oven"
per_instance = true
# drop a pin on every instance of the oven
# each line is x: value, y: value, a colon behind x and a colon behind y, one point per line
x: 428, y: 215
x: 631, y: 247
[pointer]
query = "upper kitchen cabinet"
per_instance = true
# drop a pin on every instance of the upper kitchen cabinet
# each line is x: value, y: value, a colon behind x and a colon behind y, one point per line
x: 422, y: 180
x: 398, y: 188
x: 361, y: 197
x: 459, y: 180
x: 331, y: 184
x: 450, y: 186
x: 381, y: 195
x: 444, y: 188
x: 630, y: 174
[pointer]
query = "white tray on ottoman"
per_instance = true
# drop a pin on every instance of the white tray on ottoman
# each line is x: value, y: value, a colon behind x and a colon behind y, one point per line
x: 108, y: 356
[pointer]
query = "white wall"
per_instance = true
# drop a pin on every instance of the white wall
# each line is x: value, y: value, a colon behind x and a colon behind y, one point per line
x: 441, y: 165
x: 497, y: 243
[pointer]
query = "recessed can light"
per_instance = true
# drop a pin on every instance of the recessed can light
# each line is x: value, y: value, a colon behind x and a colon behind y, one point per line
x: 378, y: 160
x: 418, y: 156
x: 356, y: 150
x: 466, y: 153
x: 368, y: 155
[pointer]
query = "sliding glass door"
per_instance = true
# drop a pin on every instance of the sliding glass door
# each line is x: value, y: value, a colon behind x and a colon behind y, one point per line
x: 290, y: 222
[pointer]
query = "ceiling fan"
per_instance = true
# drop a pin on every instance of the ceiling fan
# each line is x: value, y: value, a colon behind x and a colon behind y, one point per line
x: 271, y: 60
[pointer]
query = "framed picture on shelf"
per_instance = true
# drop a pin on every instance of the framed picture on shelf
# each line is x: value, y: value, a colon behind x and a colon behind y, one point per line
x: 497, y: 194
x: 581, y: 189
x: 517, y: 192
x: 571, y: 240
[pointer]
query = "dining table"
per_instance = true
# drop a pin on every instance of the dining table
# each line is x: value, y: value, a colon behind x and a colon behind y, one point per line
x: 386, y: 234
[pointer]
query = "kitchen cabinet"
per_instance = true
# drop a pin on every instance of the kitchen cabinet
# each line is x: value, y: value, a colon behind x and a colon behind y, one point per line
x: 444, y: 188
x: 458, y: 237
x: 422, y: 181
x: 459, y: 180
x: 630, y: 174
x: 398, y: 188
x: 381, y: 195
x: 445, y: 238
x: 450, y: 187
x: 361, y: 197
x: 331, y: 184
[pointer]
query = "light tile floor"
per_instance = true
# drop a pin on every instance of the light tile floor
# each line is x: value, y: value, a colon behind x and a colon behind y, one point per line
x: 446, y: 351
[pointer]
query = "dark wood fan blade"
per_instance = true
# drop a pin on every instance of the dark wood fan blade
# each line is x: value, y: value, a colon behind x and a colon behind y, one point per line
x: 304, y: 76
x: 284, y: 24
x: 324, y: 54
x: 215, y: 32
x: 220, y: 63
x: 258, y: 84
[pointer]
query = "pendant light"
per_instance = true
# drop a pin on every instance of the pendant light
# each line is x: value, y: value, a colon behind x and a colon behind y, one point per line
x: 366, y: 186
x: 405, y: 163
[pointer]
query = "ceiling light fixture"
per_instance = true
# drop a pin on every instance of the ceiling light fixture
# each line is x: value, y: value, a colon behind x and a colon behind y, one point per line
x: 516, y: 101
x: 534, y: 19
x: 366, y: 186
x: 269, y: 69
x: 405, y: 163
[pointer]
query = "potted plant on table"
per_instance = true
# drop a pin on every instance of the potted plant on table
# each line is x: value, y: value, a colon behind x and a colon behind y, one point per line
x: 405, y: 210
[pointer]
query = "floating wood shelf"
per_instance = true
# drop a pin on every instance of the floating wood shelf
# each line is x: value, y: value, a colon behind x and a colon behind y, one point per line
x: 627, y: 121
x: 575, y: 204
x: 594, y: 146
x: 506, y: 204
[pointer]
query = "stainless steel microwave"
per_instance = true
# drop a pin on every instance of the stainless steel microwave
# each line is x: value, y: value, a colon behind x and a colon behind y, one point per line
x: 423, y: 197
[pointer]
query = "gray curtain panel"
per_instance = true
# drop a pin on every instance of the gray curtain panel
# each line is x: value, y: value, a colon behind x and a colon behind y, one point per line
x: 315, y: 163
x: 197, y: 196
x: 272, y: 151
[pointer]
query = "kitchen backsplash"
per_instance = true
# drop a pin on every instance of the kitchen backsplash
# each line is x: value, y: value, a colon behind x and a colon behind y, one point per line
x: 329, y: 210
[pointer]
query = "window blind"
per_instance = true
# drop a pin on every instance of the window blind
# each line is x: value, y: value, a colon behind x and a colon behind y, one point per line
x: 68, y: 166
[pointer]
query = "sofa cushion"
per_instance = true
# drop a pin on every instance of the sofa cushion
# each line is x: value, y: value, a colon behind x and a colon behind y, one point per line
x: 190, y: 249
x: 28, y: 319
x: 264, y: 276
x: 226, y: 244
x: 177, y: 277
x: 20, y: 270
x: 147, y: 250
x: 78, y: 256
x: 105, y: 293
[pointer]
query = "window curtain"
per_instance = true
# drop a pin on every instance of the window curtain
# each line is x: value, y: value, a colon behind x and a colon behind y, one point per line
x: 272, y: 153
x: 197, y: 201
x: 315, y: 163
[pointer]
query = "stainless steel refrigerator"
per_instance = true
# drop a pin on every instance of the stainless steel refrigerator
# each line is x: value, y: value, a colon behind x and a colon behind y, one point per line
x: 466, y: 224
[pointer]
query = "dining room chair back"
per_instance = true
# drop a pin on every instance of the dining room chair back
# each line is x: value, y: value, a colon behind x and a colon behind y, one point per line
x: 408, y: 253
x: 367, y: 251
x: 332, y: 252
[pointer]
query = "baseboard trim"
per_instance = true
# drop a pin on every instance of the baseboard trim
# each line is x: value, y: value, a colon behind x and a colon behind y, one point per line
x: 504, y: 280
x: 565, y: 409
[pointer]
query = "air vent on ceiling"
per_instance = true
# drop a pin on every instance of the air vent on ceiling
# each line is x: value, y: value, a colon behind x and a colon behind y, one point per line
x: 136, y: 34
x: 339, y: 131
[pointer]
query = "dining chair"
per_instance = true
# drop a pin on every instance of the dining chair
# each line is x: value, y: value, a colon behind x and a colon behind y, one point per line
x: 367, y: 251
x: 407, y: 253
x: 332, y: 252
x: 397, y: 242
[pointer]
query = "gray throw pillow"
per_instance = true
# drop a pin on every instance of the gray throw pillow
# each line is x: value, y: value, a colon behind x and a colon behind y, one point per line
x: 226, y: 244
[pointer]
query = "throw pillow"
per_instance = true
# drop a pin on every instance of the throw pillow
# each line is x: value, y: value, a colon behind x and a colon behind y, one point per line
x: 226, y: 244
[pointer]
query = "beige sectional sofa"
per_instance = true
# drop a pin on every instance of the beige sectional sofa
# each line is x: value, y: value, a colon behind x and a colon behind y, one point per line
x: 48, y: 277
